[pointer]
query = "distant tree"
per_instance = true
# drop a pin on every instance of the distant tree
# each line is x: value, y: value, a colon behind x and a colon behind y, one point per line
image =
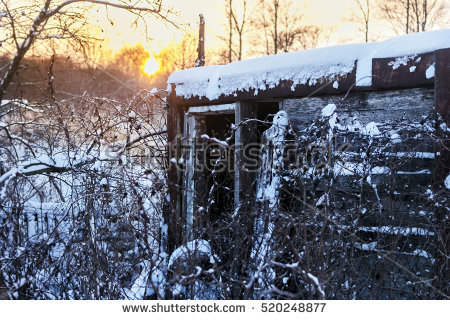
x: 179, y: 55
x: 238, y: 18
x: 130, y: 60
x: 362, y: 17
x: 267, y: 20
x: 311, y: 35
x: 289, y: 29
x: 229, y: 13
x: 407, y: 16
x: 281, y: 23
x: 240, y: 26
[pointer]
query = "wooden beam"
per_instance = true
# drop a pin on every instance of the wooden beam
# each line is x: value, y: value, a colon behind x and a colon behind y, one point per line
x: 245, y: 136
x: 215, y: 109
x: 442, y: 105
x: 200, y: 62
x: 282, y: 90
x: 172, y: 207
x: 442, y: 155
x: 193, y: 177
x: 244, y: 193
x: 442, y: 83
x: 390, y: 73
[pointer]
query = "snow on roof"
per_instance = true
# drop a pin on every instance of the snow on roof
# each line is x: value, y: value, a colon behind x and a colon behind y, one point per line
x: 303, y: 67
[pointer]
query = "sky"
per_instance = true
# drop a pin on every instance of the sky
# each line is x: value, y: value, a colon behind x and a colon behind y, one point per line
x: 332, y: 15
x: 322, y: 12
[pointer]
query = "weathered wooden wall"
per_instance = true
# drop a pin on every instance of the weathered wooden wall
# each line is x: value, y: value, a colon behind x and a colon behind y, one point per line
x: 378, y: 106
x: 395, y: 221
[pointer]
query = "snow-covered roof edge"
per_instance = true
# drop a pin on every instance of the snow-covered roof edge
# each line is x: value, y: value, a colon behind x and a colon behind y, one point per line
x: 304, y: 67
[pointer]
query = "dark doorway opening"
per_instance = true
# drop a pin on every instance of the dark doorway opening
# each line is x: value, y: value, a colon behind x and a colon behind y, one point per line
x: 216, y: 182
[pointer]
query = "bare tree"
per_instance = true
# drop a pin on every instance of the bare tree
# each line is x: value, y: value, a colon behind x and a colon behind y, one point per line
x: 238, y: 23
x: 426, y: 13
x: 413, y: 15
x: 229, y: 12
x: 179, y: 55
x: 362, y: 17
x: 268, y: 21
x: 281, y: 22
x: 289, y: 30
x: 130, y: 60
x: 239, y: 26
x: 62, y: 20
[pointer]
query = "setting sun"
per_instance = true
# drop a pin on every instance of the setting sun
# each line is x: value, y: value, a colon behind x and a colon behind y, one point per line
x: 151, y: 66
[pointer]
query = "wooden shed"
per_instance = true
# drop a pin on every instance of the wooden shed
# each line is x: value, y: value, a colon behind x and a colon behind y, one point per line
x: 380, y: 113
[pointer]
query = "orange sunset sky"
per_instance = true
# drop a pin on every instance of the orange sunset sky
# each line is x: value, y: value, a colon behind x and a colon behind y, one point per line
x: 328, y: 13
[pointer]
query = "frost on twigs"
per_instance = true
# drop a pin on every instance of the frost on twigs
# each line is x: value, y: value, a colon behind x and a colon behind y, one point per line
x: 90, y: 201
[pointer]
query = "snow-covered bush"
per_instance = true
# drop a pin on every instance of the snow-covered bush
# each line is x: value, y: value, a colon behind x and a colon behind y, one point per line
x: 82, y: 184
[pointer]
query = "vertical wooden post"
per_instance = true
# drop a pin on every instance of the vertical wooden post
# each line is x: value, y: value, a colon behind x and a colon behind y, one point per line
x: 188, y: 176
x: 201, y: 43
x: 245, y: 135
x: 194, y: 127
x: 442, y: 161
x: 442, y: 85
x: 244, y: 192
x: 171, y: 219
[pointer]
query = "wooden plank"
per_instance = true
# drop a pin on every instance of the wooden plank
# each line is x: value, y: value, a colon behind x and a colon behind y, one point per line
x: 417, y: 145
x: 244, y: 192
x: 389, y: 74
x: 442, y: 84
x: 442, y: 101
x: 245, y: 135
x: 172, y: 208
x: 379, y: 107
x: 188, y: 179
x: 214, y: 109
x: 194, y: 184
